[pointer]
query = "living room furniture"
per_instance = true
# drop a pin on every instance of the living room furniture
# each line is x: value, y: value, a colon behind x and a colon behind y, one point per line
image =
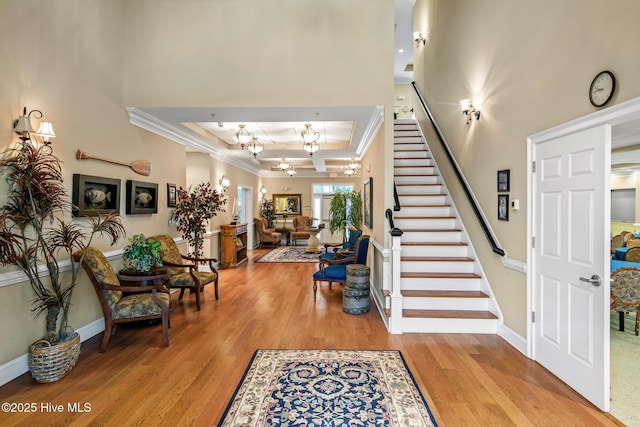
x: 300, y: 230
x: 625, y: 293
x: 233, y: 245
x: 336, y: 270
x: 352, y: 235
x: 125, y: 303
x: 265, y: 234
x: 183, y: 270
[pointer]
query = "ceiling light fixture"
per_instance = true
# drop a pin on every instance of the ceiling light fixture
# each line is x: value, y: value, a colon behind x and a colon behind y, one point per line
x: 352, y: 163
x: 242, y: 136
x: 309, y: 135
x: 284, y: 165
x: 349, y: 171
x: 255, y: 147
x: 310, y: 147
x: 291, y: 171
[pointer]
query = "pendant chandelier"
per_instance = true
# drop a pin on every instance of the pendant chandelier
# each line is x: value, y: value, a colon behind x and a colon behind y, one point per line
x: 291, y: 171
x: 310, y: 139
x: 284, y: 165
x: 255, y: 147
x: 351, y: 166
x: 242, y: 136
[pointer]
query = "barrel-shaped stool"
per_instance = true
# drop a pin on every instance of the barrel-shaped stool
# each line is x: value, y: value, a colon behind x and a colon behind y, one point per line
x: 355, y: 295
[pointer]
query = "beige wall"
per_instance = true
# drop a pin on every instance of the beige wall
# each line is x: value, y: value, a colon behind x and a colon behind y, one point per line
x: 82, y: 62
x: 530, y: 65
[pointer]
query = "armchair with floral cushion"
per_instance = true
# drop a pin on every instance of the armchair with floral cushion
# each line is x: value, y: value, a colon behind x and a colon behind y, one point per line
x: 183, y: 269
x: 123, y: 303
x: 266, y: 235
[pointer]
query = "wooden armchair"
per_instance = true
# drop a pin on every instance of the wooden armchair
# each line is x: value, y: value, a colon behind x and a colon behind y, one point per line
x: 148, y: 302
x: 185, y: 275
x: 300, y: 231
x: 266, y: 235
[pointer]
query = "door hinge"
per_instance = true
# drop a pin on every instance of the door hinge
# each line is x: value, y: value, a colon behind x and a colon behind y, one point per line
x: 533, y: 317
x: 533, y: 166
x: 533, y: 241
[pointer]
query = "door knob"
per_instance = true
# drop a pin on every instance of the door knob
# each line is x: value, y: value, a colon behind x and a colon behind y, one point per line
x: 594, y: 280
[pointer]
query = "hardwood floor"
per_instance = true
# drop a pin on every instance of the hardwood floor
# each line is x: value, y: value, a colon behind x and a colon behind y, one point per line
x: 468, y: 380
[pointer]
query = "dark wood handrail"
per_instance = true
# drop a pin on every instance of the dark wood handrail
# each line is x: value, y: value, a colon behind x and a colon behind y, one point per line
x: 485, y: 227
x: 394, y: 231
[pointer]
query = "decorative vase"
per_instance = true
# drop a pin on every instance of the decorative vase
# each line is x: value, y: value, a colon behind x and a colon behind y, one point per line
x: 50, y: 362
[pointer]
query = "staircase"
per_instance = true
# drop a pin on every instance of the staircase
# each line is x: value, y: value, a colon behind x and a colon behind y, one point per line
x: 441, y: 282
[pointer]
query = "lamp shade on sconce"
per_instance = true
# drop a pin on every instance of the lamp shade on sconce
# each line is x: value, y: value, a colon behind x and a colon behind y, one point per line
x: 46, y: 131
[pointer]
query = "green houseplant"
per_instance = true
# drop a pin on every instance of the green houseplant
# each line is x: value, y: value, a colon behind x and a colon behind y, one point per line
x: 142, y: 253
x: 194, y: 208
x: 345, y: 209
x: 268, y: 213
x: 32, y: 231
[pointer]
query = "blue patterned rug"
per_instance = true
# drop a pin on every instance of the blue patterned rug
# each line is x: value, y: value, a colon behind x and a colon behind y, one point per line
x: 313, y: 388
x: 289, y: 254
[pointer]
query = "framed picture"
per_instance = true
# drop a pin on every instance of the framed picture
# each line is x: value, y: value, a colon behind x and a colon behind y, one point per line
x: 503, y: 181
x: 94, y: 195
x: 142, y: 197
x: 367, y: 202
x: 503, y: 207
x: 172, y: 195
x: 287, y: 204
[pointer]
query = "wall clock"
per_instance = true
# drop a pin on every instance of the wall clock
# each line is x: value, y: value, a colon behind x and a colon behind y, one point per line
x: 602, y: 88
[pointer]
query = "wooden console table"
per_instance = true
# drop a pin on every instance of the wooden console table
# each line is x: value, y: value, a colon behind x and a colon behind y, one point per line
x: 233, y: 245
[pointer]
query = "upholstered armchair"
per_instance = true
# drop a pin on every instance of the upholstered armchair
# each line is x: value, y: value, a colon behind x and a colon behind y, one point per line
x: 266, y: 235
x: 300, y: 231
x: 148, y: 302
x: 625, y: 293
x: 351, y: 236
x: 183, y: 270
x: 335, y: 271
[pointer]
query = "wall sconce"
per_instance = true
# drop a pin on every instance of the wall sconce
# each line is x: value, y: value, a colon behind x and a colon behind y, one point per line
x: 22, y: 126
x: 223, y: 184
x: 263, y: 191
x: 468, y: 109
x: 419, y: 39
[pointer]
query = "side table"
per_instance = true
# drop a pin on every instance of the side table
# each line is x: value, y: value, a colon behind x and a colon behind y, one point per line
x: 286, y: 232
x: 153, y: 276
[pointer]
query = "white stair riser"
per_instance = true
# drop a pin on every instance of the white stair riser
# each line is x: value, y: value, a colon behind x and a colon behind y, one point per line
x: 404, y: 122
x: 412, y: 161
x: 417, y: 179
x: 422, y: 200
x: 419, y: 303
x: 444, y: 284
x: 408, y: 144
x: 425, y: 223
x: 413, y: 154
x: 419, y: 189
x: 424, y: 211
x: 406, y: 133
x: 413, y: 170
x: 450, y: 326
x: 435, y: 250
x: 436, y: 267
x: 404, y: 127
x: 431, y: 236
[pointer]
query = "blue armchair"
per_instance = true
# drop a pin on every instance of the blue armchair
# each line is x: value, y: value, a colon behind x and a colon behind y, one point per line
x: 336, y: 270
x: 349, y: 243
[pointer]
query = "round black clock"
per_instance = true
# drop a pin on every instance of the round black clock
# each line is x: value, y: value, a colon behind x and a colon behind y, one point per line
x: 602, y: 88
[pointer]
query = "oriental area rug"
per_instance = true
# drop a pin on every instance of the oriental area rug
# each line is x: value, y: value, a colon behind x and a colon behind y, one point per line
x: 315, y: 388
x: 289, y: 254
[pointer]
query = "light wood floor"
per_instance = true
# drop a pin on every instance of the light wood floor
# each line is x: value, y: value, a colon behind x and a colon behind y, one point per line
x: 468, y: 380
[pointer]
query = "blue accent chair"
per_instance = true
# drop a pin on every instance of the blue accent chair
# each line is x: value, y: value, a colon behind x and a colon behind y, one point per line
x: 336, y: 270
x: 353, y: 236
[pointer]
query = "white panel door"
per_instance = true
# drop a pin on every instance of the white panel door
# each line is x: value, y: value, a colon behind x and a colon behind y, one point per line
x: 571, y: 209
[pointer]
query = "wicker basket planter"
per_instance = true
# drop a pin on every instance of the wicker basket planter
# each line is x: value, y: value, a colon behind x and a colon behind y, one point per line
x: 49, y: 363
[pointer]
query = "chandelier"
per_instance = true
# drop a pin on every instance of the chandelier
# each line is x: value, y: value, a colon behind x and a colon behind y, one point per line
x: 243, y: 136
x: 310, y: 139
x: 291, y: 171
x: 284, y: 165
x: 351, y: 166
x: 255, y: 147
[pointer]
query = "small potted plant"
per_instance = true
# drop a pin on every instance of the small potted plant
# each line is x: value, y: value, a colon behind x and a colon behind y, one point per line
x: 142, y: 253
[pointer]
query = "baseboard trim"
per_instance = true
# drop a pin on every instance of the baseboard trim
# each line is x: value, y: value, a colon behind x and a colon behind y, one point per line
x: 12, y: 369
x: 516, y: 340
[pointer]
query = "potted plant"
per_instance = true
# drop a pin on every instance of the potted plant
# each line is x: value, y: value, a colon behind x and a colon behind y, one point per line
x: 268, y: 213
x: 32, y: 231
x: 345, y: 209
x: 142, y: 253
x: 194, y: 208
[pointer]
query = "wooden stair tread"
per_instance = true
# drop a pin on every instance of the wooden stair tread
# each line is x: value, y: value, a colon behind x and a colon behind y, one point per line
x: 417, y: 166
x: 416, y: 185
x: 431, y: 230
x: 422, y: 194
x: 416, y: 174
x: 436, y: 259
x: 423, y: 217
x: 444, y: 294
x: 427, y: 275
x: 449, y: 314
x: 443, y: 205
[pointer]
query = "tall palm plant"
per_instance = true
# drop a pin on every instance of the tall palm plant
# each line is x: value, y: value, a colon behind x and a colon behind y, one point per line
x: 32, y: 231
x: 345, y: 209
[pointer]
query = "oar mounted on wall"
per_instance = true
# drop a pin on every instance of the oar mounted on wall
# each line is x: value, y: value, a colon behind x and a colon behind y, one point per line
x: 142, y: 167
